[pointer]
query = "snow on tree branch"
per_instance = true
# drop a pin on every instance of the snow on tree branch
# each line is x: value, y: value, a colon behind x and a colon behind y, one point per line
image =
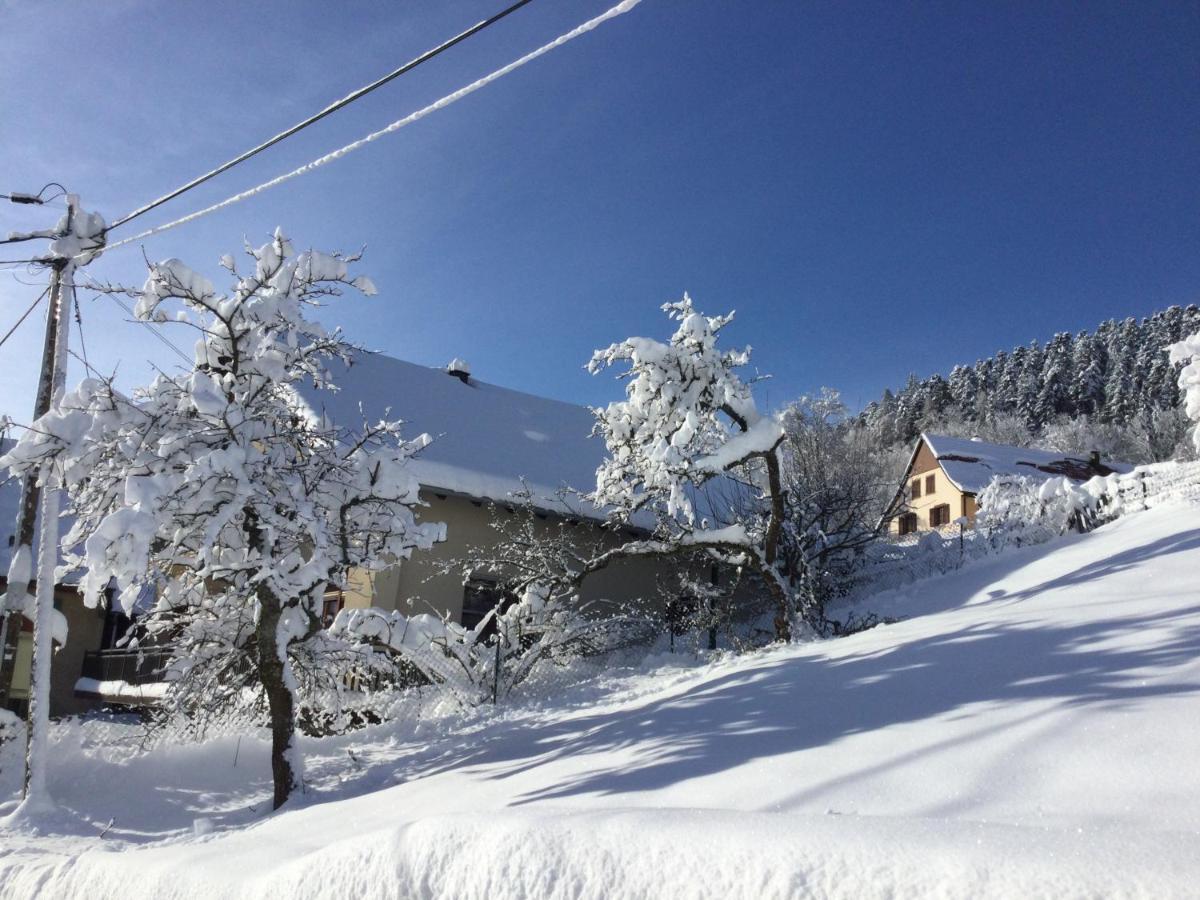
x: 687, y: 416
x: 219, y: 490
x: 1188, y: 351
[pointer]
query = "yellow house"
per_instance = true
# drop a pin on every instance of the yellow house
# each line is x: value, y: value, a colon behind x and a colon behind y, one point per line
x: 945, y: 476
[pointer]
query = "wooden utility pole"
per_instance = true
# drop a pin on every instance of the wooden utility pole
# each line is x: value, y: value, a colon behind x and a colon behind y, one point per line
x: 11, y: 614
x: 37, y: 721
x: 78, y: 239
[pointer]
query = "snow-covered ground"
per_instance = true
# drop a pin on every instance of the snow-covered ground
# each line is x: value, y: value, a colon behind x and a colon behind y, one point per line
x: 1029, y: 729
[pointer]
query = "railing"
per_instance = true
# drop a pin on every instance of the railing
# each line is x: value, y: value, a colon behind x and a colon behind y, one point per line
x: 144, y: 666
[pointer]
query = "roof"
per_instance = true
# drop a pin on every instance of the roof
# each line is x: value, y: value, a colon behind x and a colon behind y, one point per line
x: 970, y: 464
x: 486, y: 438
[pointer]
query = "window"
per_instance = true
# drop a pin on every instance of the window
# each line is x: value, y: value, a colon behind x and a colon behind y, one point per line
x: 939, y: 516
x: 116, y: 624
x: 480, y: 597
x: 929, y: 485
x: 916, y: 488
x: 331, y: 605
x: 907, y: 523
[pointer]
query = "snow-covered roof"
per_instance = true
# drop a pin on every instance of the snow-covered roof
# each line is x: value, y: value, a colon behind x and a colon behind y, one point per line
x: 486, y: 438
x: 971, y: 464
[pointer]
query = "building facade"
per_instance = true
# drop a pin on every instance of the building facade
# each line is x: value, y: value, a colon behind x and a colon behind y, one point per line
x: 945, y: 475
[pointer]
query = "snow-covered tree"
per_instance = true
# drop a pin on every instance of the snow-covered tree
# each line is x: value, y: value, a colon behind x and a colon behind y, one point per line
x: 837, y: 484
x: 1087, y: 380
x: 219, y: 490
x: 965, y: 386
x: 688, y: 418
x: 1054, y: 395
x: 1187, y: 352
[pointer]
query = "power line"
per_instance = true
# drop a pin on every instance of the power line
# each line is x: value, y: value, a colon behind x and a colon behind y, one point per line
x: 24, y: 316
x: 331, y: 108
x: 152, y: 329
x: 623, y: 7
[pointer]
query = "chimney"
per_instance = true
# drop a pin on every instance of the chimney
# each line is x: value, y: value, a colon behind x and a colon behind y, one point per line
x: 460, y: 369
x: 1094, y: 459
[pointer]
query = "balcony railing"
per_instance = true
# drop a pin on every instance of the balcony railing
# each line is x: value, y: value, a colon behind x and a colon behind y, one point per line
x: 143, y: 666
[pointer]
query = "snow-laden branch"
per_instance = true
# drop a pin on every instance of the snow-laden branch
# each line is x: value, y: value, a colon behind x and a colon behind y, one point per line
x: 688, y: 419
x: 216, y: 491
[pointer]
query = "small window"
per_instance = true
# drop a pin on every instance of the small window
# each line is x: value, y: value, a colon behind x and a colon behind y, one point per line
x: 916, y: 488
x: 331, y: 605
x: 480, y: 597
x: 939, y: 516
x: 907, y: 523
x: 929, y: 484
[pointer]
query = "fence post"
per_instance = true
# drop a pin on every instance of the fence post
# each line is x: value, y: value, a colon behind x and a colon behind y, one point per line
x: 496, y: 673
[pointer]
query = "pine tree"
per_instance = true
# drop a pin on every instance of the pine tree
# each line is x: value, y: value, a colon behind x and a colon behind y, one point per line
x: 1087, y: 385
x: 1054, y: 396
x: 964, y: 391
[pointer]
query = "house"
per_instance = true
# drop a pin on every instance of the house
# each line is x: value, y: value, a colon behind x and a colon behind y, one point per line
x: 488, y: 443
x: 945, y: 476
x: 88, y: 630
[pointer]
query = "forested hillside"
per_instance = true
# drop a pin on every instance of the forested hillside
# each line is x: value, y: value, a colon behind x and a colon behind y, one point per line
x: 1113, y: 390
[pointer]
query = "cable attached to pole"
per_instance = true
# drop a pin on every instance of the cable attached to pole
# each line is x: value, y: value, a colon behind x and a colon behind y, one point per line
x: 331, y: 108
x: 24, y: 316
x: 623, y: 7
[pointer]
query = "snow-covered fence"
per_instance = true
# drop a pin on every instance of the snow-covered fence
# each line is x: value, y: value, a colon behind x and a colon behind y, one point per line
x: 1153, y: 485
x: 888, y: 564
x: 1020, y: 511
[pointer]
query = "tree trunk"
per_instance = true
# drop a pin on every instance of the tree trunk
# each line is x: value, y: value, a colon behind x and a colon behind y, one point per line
x: 783, y: 616
x: 275, y: 675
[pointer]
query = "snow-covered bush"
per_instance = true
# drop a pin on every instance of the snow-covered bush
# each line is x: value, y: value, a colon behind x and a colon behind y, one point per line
x: 218, y: 493
x: 1188, y: 351
x: 687, y: 422
x: 540, y: 621
x: 486, y: 663
x: 1021, y: 510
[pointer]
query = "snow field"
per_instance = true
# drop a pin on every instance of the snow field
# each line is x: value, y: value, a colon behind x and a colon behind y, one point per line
x: 1027, y: 731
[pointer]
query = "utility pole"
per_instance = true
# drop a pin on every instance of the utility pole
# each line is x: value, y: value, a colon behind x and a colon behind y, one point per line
x: 37, y: 721
x: 13, y: 603
x: 14, y: 600
x: 77, y: 240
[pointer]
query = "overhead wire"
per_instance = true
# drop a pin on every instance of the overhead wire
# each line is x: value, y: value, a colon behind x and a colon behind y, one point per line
x: 152, y: 329
x: 24, y: 315
x: 623, y: 7
x: 619, y: 9
x: 328, y: 110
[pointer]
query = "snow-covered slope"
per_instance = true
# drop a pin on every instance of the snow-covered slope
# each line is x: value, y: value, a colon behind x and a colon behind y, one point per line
x: 1029, y: 730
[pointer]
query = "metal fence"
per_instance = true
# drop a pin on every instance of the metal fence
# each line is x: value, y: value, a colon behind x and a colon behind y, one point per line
x: 144, y: 666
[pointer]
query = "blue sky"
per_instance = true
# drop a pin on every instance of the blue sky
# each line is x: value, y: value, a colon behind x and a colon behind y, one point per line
x: 875, y: 188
